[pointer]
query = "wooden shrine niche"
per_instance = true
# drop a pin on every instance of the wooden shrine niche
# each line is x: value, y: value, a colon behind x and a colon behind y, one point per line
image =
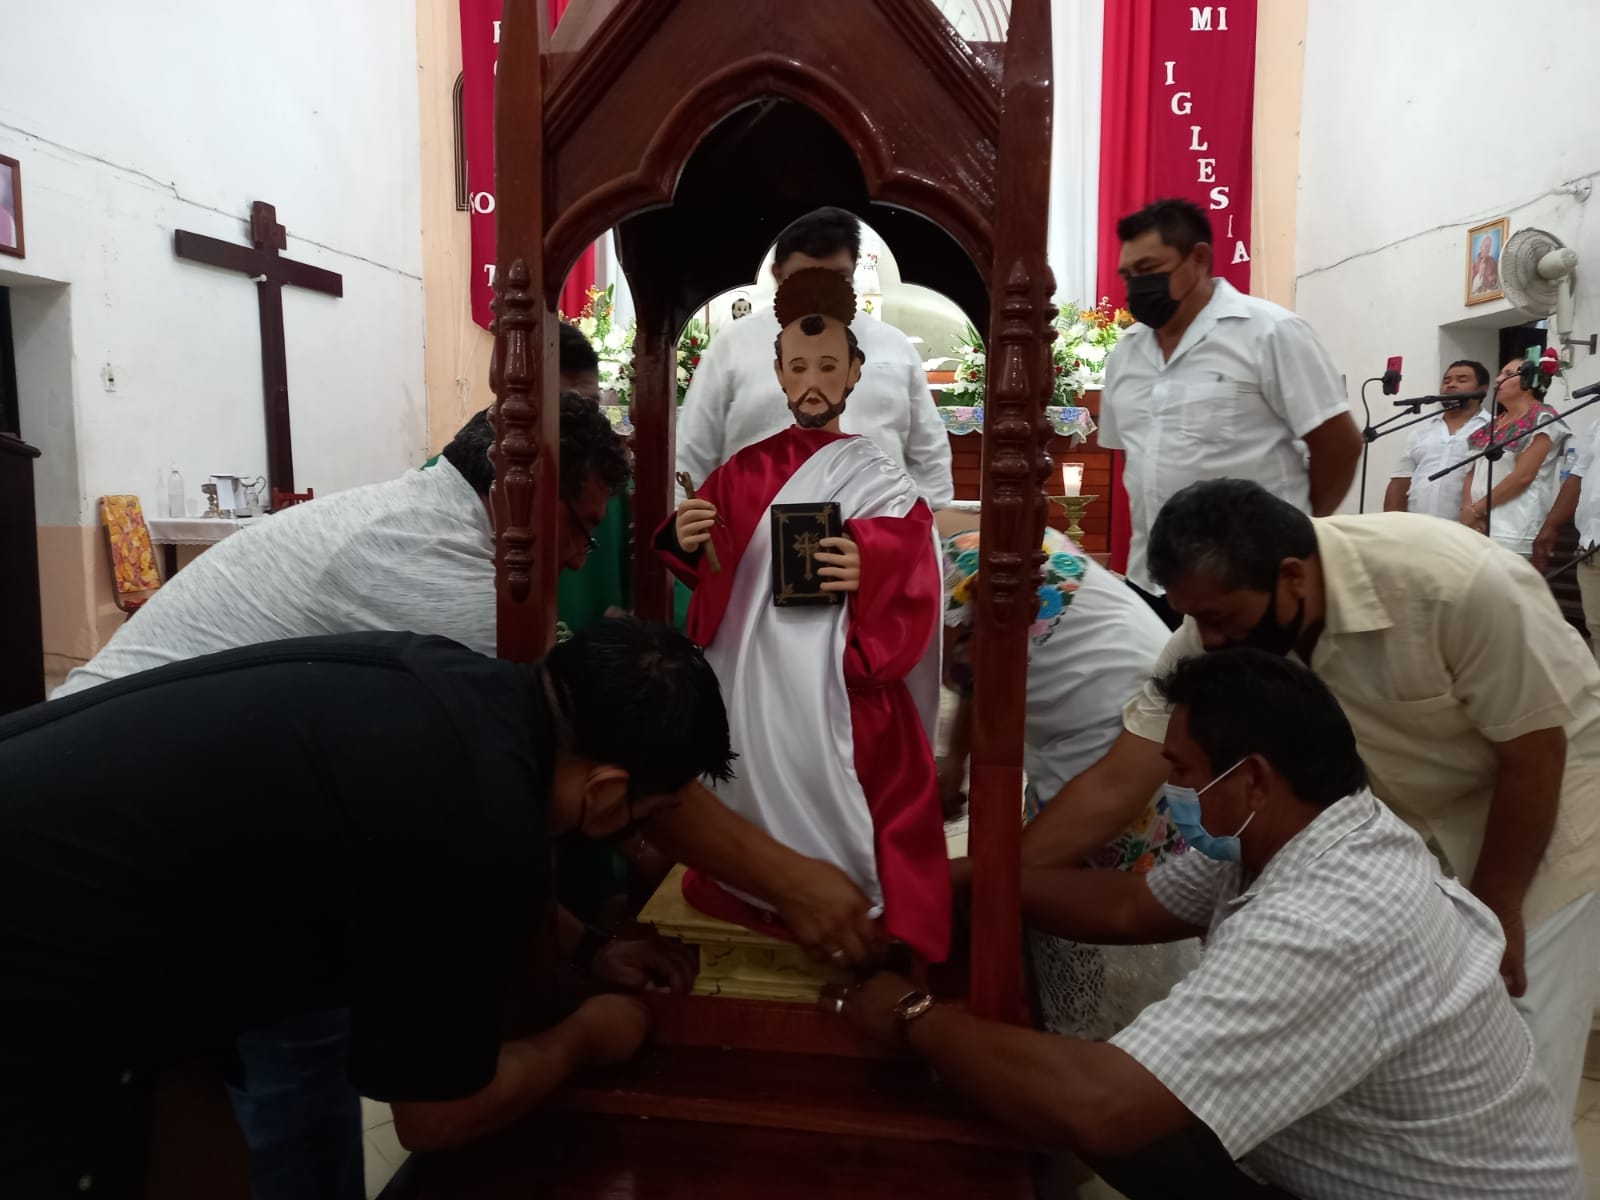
x: 636, y: 115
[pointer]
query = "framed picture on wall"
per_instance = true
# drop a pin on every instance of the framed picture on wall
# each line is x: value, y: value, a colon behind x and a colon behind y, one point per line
x: 1484, y: 244
x: 10, y: 207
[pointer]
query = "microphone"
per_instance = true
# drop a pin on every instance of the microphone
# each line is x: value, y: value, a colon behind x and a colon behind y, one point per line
x: 1456, y: 397
x: 1592, y: 389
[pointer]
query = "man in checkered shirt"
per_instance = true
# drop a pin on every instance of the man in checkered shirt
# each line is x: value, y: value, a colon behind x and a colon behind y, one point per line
x: 1346, y: 1034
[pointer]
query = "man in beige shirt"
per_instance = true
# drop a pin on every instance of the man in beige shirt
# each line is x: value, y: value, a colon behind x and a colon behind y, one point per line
x: 1476, y: 708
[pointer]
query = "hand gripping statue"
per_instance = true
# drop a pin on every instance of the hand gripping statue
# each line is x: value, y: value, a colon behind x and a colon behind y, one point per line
x: 817, y: 597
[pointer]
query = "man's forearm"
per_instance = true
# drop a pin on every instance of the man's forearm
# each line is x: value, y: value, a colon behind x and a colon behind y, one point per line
x: 706, y: 834
x: 529, y: 1069
x: 1566, y: 506
x: 1522, y: 816
x: 1331, y: 478
x: 1090, y: 1095
x: 1096, y: 806
x: 1100, y: 907
x: 1398, y: 496
x: 1335, y: 453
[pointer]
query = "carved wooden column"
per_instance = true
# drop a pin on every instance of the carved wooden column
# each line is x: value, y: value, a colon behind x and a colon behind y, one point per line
x: 1015, y: 465
x: 524, y: 373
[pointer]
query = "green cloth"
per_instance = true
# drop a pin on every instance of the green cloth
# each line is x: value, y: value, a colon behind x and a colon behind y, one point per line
x: 590, y: 873
x: 681, y: 594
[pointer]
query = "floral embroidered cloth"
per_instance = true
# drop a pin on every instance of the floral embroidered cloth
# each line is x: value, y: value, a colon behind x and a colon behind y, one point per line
x: 961, y: 420
x: 1516, y: 435
x: 1063, y: 567
x: 133, y: 560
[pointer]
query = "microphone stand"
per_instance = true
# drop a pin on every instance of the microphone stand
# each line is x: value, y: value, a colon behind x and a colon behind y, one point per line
x: 1567, y: 566
x: 1373, y: 432
x: 1495, y: 450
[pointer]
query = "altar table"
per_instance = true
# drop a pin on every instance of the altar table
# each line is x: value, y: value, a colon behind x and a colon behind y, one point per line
x: 171, y: 532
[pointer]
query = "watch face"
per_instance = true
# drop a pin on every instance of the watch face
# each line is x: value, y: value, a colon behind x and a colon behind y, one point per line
x: 913, y: 1005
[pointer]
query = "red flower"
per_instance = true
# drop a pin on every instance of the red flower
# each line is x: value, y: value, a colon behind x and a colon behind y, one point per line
x: 695, y: 361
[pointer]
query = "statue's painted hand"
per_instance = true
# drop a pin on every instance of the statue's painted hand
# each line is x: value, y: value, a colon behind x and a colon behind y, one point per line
x: 841, y: 564
x: 693, y: 525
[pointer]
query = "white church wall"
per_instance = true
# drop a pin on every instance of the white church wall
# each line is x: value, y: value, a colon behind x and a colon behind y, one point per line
x: 132, y: 121
x: 1410, y: 135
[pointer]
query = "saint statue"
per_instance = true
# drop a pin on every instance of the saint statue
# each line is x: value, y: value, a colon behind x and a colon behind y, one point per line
x: 819, y: 607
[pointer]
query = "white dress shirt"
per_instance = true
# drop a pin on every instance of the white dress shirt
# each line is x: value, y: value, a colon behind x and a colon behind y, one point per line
x: 1588, y: 515
x: 413, y: 553
x: 1247, y: 381
x: 1431, y: 447
x: 735, y: 401
x: 1347, y: 1034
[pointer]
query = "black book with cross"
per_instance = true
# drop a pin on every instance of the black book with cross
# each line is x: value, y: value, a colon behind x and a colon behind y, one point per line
x: 797, y: 534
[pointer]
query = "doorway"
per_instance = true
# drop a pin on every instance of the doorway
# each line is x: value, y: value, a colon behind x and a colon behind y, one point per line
x: 21, y: 633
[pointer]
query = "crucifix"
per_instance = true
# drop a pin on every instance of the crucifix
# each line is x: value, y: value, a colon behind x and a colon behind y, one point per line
x: 260, y: 260
x: 807, y: 545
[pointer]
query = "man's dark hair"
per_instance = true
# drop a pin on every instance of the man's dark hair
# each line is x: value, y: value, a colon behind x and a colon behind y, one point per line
x: 1479, y: 371
x: 642, y: 697
x: 820, y: 234
x: 589, y: 446
x: 1232, y: 529
x: 576, y: 352
x: 1182, y: 224
x: 1243, y: 701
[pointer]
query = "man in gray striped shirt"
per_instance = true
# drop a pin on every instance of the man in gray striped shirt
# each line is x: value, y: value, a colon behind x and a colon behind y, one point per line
x: 1346, y: 1034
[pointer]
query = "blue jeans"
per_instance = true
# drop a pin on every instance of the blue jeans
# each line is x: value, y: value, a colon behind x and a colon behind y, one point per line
x: 300, y: 1114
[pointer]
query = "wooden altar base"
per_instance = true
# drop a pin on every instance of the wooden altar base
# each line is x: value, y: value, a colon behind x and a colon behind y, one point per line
x: 572, y: 1156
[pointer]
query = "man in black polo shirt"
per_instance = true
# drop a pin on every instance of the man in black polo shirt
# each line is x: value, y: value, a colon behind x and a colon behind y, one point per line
x: 358, y: 820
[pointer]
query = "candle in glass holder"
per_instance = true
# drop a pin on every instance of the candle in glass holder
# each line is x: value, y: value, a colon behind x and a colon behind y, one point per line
x: 1072, y: 479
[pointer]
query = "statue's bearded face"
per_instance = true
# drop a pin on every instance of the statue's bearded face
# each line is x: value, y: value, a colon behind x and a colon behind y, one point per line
x: 817, y: 369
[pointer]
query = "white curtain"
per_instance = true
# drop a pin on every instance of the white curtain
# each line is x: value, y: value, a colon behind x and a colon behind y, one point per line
x: 1077, y: 33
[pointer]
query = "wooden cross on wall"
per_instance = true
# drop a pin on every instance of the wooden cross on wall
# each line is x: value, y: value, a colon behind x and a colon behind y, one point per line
x: 260, y: 260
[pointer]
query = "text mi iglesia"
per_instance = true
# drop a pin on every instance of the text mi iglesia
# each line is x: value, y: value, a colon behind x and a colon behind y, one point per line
x: 1201, y: 21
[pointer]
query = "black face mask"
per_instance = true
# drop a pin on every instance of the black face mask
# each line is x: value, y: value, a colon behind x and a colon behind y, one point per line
x: 1150, y: 299
x: 1272, y: 637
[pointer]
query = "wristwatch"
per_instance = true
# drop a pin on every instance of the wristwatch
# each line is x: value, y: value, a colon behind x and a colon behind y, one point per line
x: 911, y: 1006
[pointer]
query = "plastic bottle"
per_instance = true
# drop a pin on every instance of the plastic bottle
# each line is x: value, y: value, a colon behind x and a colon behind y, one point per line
x: 1569, y: 460
x: 177, y: 505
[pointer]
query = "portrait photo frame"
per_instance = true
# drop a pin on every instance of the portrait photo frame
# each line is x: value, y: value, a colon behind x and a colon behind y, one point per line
x: 1485, y: 244
x: 11, y: 240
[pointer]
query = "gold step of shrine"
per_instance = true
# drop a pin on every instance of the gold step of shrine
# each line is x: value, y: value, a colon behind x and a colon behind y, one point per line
x: 734, y: 961
x: 745, y: 965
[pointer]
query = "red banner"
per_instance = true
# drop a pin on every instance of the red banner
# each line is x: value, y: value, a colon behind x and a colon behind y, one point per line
x: 480, y: 52
x: 1176, y: 119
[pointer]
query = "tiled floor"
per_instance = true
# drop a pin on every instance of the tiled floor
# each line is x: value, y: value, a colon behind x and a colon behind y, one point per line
x: 383, y: 1152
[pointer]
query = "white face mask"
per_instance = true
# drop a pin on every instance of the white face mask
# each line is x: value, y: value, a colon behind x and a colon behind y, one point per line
x: 1183, y: 805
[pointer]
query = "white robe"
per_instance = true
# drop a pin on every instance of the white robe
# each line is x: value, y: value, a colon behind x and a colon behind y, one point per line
x: 773, y: 664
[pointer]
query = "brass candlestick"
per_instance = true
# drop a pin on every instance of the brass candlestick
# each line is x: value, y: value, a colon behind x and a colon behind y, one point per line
x: 1074, y: 506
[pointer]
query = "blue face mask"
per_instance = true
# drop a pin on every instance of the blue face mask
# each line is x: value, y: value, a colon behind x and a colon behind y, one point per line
x: 1183, y: 806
